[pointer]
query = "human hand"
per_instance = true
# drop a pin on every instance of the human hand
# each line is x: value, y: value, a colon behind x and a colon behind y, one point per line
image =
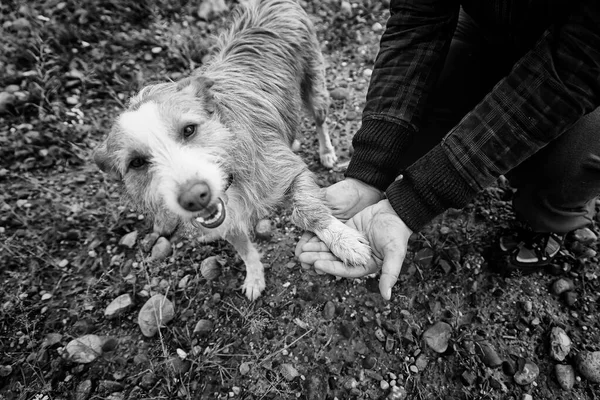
x: 349, y: 196
x: 388, y: 236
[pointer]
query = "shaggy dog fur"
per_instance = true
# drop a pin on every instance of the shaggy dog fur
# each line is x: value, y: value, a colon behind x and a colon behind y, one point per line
x: 211, y: 154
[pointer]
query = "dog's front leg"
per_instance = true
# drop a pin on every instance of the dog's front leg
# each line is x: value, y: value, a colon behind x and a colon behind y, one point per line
x: 312, y: 214
x: 254, y: 283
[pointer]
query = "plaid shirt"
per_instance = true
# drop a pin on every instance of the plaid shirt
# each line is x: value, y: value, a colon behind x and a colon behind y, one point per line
x: 555, y: 83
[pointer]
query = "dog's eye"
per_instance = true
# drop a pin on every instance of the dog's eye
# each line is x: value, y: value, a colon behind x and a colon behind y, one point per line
x: 137, y: 163
x: 188, y: 131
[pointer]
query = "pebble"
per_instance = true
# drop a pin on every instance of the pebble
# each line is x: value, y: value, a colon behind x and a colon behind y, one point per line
x: 264, y: 230
x: 377, y: 27
x: 397, y: 393
x: 148, y: 241
x: 468, y: 378
x: 148, y: 380
x: 128, y: 240
x: 6, y: 100
x: 560, y: 344
x: 384, y: 385
x: 346, y: 8
x: 84, y: 349
x: 339, y: 94
x: 437, y: 336
x: 179, y: 366
x: 565, y: 376
x: 421, y: 362
x: 488, y: 354
x: 527, y: 396
x: 118, y: 306
x: 244, y: 368
x: 367, y: 73
x: 106, y: 387
x: 83, y: 390
x: 72, y: 100
x: 329, y: 310
x: 588, y: 364
x: 210, y: 267
x: 570, y: 298
x: 583, y: 235
x: 161, y: 250
x: 380, y: 335
x: 155, y: 313
x: 527, y: 373
x: 369, y: 362
x: 203, y: 326
x: 562, y: 285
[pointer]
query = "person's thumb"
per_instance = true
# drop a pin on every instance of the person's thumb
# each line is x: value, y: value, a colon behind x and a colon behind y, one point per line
x: 390, y: 270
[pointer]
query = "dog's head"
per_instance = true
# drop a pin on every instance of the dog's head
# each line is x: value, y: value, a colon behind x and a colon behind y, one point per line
x: 170, y: 151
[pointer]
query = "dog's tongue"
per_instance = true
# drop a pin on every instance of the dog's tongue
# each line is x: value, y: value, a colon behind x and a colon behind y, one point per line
x: 216, y: 217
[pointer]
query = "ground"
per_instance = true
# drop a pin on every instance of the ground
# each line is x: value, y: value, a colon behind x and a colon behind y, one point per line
x: 66, y: 70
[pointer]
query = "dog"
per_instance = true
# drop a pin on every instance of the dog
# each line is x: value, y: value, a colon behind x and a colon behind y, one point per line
x: 211, y: 154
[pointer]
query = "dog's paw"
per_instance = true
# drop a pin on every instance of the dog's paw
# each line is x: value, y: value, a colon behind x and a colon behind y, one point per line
x: 347, y: 244
x: 328, y: 158
x: 253, y: 286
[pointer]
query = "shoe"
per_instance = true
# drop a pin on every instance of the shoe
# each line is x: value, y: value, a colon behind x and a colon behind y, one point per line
x: 528, y: 249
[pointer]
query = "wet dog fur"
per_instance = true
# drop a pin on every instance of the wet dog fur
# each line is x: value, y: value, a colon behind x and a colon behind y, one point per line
x: 211, y: 154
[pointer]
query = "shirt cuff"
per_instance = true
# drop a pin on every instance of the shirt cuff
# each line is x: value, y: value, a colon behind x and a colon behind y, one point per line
x: 378, y: 146
x: 428, y: 188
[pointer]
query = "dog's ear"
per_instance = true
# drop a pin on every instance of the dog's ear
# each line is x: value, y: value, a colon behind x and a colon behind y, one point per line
x: 200, y: 86
x: 104, y: 162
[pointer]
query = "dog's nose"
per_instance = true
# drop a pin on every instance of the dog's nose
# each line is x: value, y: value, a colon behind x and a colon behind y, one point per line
x: 194, y: 196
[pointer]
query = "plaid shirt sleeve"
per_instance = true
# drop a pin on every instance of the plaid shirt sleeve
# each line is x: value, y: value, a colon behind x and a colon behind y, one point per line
x: 411, y: 56
x: 548, y: 90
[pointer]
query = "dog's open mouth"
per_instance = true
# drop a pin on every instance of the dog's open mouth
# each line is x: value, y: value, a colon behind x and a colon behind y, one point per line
x: 216, y: 216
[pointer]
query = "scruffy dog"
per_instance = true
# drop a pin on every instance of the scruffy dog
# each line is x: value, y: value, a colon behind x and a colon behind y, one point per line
x: 211, y: 154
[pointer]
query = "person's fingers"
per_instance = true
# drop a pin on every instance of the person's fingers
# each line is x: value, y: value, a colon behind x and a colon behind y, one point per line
x: 338, y: 268
x: 315, y: 246
x: 310, y: 257
x: 390, y: 270
x: 305, y: 238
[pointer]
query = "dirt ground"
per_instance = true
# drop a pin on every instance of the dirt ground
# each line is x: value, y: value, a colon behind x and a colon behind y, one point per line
x: 458, y: 326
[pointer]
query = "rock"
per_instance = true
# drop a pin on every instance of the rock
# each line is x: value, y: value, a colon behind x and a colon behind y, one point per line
x: 380, y: 335
x: 562, y: 285
x: 421, y: 362
x: 487, y: 354
x: 106, y: 387
x: 565, y: 376
x: 526, y: 396
x: 377, y: 27
x: 264, y: 230
x: 339, y: 94
x: 560, y: 344
x: 179, y: 366
x: 369, y: 362
x: 329, y: 310
x: 6, y: 101
x: 570, y: 298
x: 384, y: 385
x: 588, y: 365
x: 161, y: 250
x: 437, y: 336
x: 367, y: 73
x: 72, y: 100
x: 397, y: 393
x: 118, y: 306
x: 84, y: 350
x: 128, y: 240
x: 83, y: 390
x: 316, y: 385
x: 157, y: 312
x: 12, y: 88
x: 203, y: 326
x: 468, y: 378
x: 148, y: 380
x: 244, y: 368
x: 527, y: 373
x: 583, y: 235
x: 20, y: 24
x: 346, y: 8
x: 51, y: 339
x: 148, y: 241
x: 5, y: 370
x: 210, y: 268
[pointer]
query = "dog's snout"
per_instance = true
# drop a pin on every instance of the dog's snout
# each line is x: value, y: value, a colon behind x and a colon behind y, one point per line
x: 194, y: 196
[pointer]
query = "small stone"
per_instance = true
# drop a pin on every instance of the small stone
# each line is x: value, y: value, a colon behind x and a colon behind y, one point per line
x: 210, y: 267
x: 570, y: 298
x: 244, y: 368
x: 369, y: 362
x: 51, y: 339
x: 585, y: 236
x: 148, y: 380
x: 488, y: 355
x: 445, y: 266
x: 128, y: 240
x: 346, y: 8
x: 289, y: 372
x: 156, y: 50
x: 389, y: 344
x: 421, y: 362
x: 12, y: 88
x: 46, y: 296
x: 565, y: 376
x: 203, y: 327
x: 468, y: 378
x: 211, y: 9
x: 397, y: 393
x: 264, y: 230
x: 367, y: 73
x: 155, y: 313
x: 118, y: 306
x: 377, y: 27
x: 380, y: 335
x: 72, y: 100
x: 527, y: 373
x: 161, y: 250
x: 179, y: 366
x: 562, y: 285
x: 526, y: 396
x: 329, y: 310
x: 339, y: 94
x: 437, y: 336
x: 84, y: 350
x: 106, y: 387
x: 83, y: 390
x: 384, y: 385
x: 588, y: 365
x: 6, y: 100
x: 560, y: 344
x: 148, y: 241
